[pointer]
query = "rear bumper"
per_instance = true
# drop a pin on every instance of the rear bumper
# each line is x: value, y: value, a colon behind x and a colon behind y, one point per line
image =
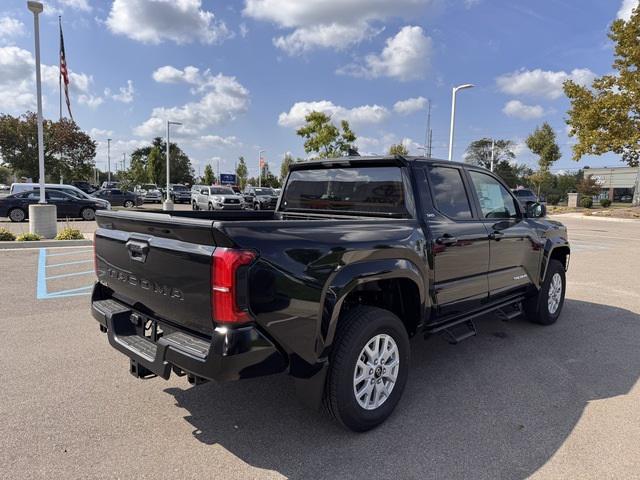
x: 230, y: 354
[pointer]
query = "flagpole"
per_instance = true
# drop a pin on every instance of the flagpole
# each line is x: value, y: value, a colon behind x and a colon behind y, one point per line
x: 59, y: 70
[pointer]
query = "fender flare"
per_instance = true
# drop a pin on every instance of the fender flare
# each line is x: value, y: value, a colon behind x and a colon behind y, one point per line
x: 347, y: 278
x: 550, y: 246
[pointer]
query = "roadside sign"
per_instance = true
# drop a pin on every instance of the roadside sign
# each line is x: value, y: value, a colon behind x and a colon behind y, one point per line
x: 227, y: 178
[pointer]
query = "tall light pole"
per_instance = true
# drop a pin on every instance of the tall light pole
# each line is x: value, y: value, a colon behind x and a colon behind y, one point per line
x: 36, y: 8
x: 42, y: 217
x: 168, y: 204
x: 109, y: 160
x: 260, y: 152
x: 453, y: 114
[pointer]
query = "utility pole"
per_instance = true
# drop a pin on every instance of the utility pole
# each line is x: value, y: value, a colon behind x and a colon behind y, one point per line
x: 219, y: 178
x: 427, y: 139
x: 124, y: 161
x: 108, y: 160
x: 260, y: 167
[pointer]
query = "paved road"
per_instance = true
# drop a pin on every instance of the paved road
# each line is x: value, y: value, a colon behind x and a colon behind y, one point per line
x: 519, y: 400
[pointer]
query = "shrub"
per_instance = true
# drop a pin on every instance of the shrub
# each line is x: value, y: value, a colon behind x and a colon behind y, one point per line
x: 605, y: 202
x: 586, y: 202
x: 69, y: 233
x: 6, y: 235
x: 28, y: 237
x: 553, y: 199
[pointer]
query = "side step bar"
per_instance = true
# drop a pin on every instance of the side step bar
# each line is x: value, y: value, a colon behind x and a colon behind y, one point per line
x: 462, y: 328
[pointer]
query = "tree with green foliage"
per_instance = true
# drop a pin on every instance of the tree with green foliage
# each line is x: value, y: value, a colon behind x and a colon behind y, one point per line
x: 605, y: 116
x: 68, y: 151
x: 398, y: 149
x: 209, y: 178
x: 542, y: 142
x: 287, y: 161
x: 242, y: 172
x: 479, y: 153
x: 324, y: 138
x: 6, y: 175
x: 181, y: 170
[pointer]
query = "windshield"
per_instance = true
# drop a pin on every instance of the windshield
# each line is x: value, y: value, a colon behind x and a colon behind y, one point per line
x: 149, y: 186
x: 363, y: 189
x: 180, y: 188
x: 221, y: 191
x: 524, y: 193
x: 264, y: 191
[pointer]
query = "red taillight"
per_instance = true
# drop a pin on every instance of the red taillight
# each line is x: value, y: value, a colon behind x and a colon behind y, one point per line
x: 225, y: 263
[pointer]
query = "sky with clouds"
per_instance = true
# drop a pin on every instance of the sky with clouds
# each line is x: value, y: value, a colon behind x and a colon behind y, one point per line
x: 241, y: 75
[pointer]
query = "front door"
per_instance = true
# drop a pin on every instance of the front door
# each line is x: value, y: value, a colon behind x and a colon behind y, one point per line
x: 514, y: 253
x: 459, y: 249
x: 63, y: 202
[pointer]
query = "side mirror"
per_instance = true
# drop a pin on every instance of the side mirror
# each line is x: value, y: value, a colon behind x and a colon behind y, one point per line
x: 536, y: 210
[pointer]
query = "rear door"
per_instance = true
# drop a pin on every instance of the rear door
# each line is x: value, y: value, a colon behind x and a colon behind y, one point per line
x: 459, y: 243
x: 65, y: 205
x: 514, y: 253
x: 116, y: 197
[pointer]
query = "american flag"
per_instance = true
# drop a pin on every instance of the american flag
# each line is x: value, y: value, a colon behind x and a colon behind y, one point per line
x: 64, y: 73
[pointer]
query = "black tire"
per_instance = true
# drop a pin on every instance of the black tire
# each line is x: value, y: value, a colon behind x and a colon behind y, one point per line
x: 256, y: 206
x: 538, y: 309
x: 355, y: 330
x: 210, y: 206
x: 194, y: 206
x: 17, y: 215
x: 128, y: 204
x: 88, y: 214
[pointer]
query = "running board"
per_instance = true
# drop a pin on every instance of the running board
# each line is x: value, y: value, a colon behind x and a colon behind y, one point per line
x: 460, y: 332
x: 470, y: 331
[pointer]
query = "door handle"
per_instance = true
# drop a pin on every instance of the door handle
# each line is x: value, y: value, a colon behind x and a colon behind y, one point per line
x: 496, y: 235
x: 447, y: 240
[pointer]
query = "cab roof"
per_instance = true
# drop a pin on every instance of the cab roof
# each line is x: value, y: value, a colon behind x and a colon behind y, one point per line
x: 368, y: 161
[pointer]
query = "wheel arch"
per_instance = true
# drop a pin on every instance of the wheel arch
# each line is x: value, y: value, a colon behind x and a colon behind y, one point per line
x: 555, y: 251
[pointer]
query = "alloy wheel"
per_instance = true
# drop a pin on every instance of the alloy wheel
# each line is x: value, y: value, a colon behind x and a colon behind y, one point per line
x: 376, y: 371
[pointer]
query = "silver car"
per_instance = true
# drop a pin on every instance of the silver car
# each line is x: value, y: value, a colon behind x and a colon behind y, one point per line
x: 150, y: 193
x: 205, y: 197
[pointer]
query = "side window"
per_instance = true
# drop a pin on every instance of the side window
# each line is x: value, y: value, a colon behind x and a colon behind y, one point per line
x: 204, y: 191
x: 495, y: 200
x: 33, y: 195
x: 448, y: 192
x: 116, y: 192
x: 55, y: 195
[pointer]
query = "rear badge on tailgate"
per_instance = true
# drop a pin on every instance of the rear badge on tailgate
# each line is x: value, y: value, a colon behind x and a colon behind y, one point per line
x: 143, y: 283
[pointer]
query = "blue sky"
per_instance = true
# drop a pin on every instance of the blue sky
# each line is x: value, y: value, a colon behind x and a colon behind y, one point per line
x: 240, y: 75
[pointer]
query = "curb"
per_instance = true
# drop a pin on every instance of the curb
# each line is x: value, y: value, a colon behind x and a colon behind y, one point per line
x: 45, y: 244
x: 580, y: 216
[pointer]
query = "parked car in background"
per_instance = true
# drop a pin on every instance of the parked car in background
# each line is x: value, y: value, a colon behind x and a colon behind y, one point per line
x: 3, y: 187
x: 204, y: 197
x: 16, y: 206
x: 180, y: 193
x: 69, y: 189
x: 626, y: 198
x: 86, y: 187
x: 119, y: 198
x: 524, y: 196
x: 150, y: 193
x: 261, y: 198
x: 110, y: 185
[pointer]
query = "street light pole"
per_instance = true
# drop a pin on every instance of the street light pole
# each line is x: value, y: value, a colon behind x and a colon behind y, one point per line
x: 168, y: 204
x: 109, y: 160
x: 36, y: 8
x: 453, y: 114
x: 260, y: 152
x: 493, y: 144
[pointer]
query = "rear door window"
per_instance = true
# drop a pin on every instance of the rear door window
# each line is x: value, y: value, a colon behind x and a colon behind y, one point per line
x: 448, y: 192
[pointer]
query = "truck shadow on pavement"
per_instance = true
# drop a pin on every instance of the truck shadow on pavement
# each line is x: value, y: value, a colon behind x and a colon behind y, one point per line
x: 496, y: 406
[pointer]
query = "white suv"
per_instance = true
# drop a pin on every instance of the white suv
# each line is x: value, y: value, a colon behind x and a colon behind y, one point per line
x: 204, y: 197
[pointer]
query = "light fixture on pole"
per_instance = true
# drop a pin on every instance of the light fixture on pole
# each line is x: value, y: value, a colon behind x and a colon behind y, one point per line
x: 168, y: 204
x: 453, y: 114
x: 260, y: 152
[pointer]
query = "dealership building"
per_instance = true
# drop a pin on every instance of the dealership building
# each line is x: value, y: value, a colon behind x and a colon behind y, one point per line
x: 617, y: 183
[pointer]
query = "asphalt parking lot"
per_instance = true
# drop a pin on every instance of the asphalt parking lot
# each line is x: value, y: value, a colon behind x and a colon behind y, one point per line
x: 516, y: 401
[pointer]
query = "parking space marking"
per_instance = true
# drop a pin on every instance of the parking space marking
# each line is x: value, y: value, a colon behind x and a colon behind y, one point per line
x: 42, y: 291
x: 68, y: 253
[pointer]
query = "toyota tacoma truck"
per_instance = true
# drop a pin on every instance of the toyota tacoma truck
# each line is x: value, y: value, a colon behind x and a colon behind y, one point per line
x: 361, y: 254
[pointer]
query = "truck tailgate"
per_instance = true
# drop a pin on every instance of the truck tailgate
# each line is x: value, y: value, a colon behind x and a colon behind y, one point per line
x: 159, y: 265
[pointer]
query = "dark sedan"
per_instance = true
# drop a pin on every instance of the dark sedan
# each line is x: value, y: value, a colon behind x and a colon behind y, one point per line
x: 119, y: 198
x: 16, y: 206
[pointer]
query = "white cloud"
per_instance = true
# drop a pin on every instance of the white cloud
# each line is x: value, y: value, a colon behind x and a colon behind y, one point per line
x: 91, y: 101
x: 541, y: 83
x: 170, y: 74
x: 77, y: 4
x: 223, y: 100
x: 218, y: 141
x: 471, y: 3
x: 517, y: 109
x: 626, y: 9
x: 406, y: 56
x: 410, y: 105
x: 100, y: 133
x: 244, y: 30
x: 125, y: 94
x: 329, y: 23
x: 10, y: 27
x: 155, y: 21
x: 358, y: 115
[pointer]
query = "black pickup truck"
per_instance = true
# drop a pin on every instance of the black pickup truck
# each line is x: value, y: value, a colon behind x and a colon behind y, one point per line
x: 361, y: 254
